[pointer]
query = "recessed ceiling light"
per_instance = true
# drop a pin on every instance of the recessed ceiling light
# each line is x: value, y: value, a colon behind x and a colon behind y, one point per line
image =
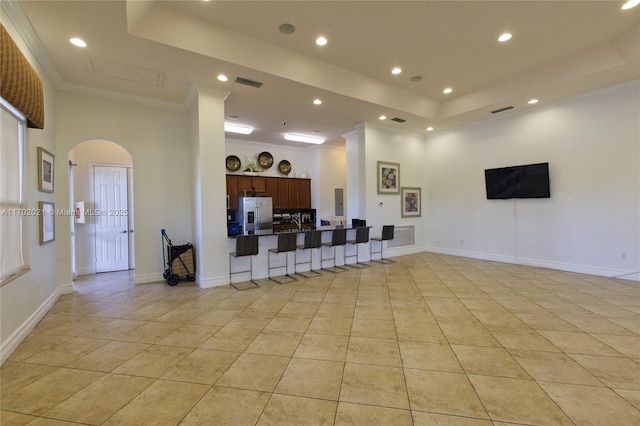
x: 505, y: 37
x: 383, y: 117
x: 302, y: 138
x: 223, y: 77
x: 447, y: 90
x: 317, y: 102
x: 321, y: 41
x: 630, y: 4
x: 235, y: 128
x: 429, y: 129
x: 532, y: 101
x: 396, y: 71
x: 287, y: 29
x: 78, y: 42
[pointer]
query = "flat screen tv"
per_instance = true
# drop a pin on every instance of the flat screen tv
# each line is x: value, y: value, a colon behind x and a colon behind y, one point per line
x: 528, y: 181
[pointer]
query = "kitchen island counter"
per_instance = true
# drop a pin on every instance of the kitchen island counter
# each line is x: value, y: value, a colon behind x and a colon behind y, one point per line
x: 271, y: 232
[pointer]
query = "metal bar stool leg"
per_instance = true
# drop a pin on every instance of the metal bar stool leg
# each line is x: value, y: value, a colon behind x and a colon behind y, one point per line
x: 286, y: 244
x: 387, y: 234
x: 312, y: 240
x: 246, y: 245
x: 338, y: 238
x: 362, y: 237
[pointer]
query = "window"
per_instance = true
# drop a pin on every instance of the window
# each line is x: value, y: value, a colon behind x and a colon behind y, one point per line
x: 12, y: 133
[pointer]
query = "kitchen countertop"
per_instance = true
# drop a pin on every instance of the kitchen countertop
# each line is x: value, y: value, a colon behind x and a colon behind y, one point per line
x: 271, y: 232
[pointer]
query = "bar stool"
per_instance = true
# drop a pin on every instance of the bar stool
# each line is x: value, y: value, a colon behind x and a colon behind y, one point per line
x: 246, y: 245
x: 362, y: 237
x: 286, y: 243
x: 338, y: 238
x: 387, y: 234
x: 312, y: 240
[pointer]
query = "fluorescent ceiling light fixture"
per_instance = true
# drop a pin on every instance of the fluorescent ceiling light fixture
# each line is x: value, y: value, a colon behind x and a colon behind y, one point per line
x: 630, y: 4
x: 396, y: 71
x: 429, y: 129
x: 383, y: 117
x: 532, y: 101
x: 317, y: 102
x: 235, y: 128
x: 321, y: 41
x: 302, y: 138
x: 223, y: 77
x: 505, y: 37
x: 78, y: 42
x: 447, y: 90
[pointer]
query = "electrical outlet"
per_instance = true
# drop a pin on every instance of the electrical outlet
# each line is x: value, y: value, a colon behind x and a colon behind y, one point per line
x: 623, y: 255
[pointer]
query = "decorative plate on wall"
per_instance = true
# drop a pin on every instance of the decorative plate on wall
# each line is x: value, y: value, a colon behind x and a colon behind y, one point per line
x: 265, y: 160
x: 284, y: 167
x: 233, y: 163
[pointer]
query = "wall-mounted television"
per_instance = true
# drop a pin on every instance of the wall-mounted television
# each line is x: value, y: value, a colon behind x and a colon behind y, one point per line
x: 528, y: 181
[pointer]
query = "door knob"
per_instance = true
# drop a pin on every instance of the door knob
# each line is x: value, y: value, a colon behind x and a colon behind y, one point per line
x: 123, y: 232
x: 130, y: 230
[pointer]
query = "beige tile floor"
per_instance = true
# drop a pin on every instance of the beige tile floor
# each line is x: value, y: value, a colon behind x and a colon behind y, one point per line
x: 431, y: 339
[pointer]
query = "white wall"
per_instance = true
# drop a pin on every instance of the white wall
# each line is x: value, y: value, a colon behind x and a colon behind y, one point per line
x: 593, y: 149
x: 331, y: 172
x: 408, y: 149
x: 84, y: 156
x: 301, y: 162
x: 158, y: 141
x: 25, y: 300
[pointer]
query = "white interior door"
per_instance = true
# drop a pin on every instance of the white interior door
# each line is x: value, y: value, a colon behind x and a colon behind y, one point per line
x: 111, y: 218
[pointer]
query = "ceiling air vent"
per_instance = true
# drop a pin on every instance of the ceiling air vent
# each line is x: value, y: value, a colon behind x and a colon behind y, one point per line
x: 248, y: 82
x: 507, y: 108
x: 398, y: 120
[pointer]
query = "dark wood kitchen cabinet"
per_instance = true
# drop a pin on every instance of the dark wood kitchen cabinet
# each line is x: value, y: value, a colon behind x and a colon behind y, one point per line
x: 245, y: 183
x: 304, y: 193
x: 271, y: 190
x: 287, y: 193
x: 232, y: 191
x: 283, y: 194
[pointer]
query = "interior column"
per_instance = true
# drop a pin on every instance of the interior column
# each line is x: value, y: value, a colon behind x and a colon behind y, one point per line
x: 209, y: 203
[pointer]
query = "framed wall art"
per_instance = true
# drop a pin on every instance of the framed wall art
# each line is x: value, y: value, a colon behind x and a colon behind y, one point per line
x: 47, y: 224
x: 388, y: 177
x: 411, y: 202
x: 45, y: 170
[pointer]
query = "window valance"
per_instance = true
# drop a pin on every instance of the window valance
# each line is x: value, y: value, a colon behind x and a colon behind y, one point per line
x: 20, y: 84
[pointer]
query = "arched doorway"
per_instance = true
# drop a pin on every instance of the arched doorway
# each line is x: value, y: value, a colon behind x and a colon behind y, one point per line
x: 101, y: 186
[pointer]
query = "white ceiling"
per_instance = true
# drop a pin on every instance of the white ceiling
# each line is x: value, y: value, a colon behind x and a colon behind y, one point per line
x: 156, y: 51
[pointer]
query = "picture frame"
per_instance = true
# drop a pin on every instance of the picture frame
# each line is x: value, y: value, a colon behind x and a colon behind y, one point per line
x: 46, y: 168
x: 46, y: 211
x: 388, y: 175
x: 411, y: 201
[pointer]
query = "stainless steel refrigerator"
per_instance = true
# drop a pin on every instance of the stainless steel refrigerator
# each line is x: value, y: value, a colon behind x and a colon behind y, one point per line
x: 255, y: 213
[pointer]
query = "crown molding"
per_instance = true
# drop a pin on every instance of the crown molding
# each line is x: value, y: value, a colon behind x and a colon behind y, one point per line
x: 15, y: 14
x: 119, y: 96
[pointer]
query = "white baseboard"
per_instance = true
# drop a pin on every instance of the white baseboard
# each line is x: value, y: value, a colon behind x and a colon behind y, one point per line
x: 402, y: 251
x: 560, y: 266
x: 85, y: 271
x: 148, y: 278
x: 202, y: 282
x: 12, y: 342
x: 211, y: 282
x: 66, y: 288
